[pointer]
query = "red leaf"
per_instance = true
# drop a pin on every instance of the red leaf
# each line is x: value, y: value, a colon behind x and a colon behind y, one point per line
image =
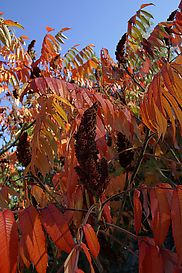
x: 137, y: 211
x: 56, y: 226
x: 106, y: 210
x: 160, y: 213
x: 49, y: 29
x: 146, y: 5
x: 150, y: 259
x: 9, y: 242
x: 33, y: 239
x: 170, y: 261
x: 176, y: 216
x: 92, y: 240
x: 79, y: 271
x: 85, y: 249
x: 23, y: 255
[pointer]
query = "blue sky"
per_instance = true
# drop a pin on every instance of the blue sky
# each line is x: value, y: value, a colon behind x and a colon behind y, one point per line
x: 97, y: 21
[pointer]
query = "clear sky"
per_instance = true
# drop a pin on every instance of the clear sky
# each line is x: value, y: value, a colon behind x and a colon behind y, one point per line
x: 101, y: 22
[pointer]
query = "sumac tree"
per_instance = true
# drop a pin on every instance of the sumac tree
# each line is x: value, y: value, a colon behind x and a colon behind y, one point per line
x: 90, y: 174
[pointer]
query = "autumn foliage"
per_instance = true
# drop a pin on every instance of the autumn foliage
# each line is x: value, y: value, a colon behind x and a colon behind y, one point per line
x: 90, y: 173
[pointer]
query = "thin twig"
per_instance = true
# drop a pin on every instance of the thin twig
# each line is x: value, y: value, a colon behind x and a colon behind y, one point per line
x: 163, y: 158
x: 129, y: 234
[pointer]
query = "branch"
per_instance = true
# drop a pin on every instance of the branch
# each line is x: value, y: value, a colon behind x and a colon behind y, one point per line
x: 3, y: 150
x: 163, y: 158
x: 147, y: 138
x: 133, y: 78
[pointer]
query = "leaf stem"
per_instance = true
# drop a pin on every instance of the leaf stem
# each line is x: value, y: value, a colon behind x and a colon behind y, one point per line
x: 129, y: 234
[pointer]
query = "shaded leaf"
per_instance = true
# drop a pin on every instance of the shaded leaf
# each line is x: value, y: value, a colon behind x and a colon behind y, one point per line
x: 137, y: 211
x: 85, y: 249
x: 70, y: 265
x: 92, y: 240
x: 57, y: 227
x: 176, y: 216
x: 150, y: 258
x: 160, y: 211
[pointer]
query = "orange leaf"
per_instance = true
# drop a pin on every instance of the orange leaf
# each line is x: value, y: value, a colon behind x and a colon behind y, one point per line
x: 49, y: 29
x: 24, y: 37
x: 9, y: 242
x: 56, y: 226
x: 12, y: 23
x: 85, y: 249
x: 176, y: 216
x: 39, y: 195
x: 92, y: 240
x: 137, y: 211
x: 33, y: 239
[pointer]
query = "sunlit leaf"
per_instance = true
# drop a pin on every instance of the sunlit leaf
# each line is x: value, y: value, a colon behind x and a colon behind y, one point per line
x: 33, y: 238
x: 13, y: 24
x: 49, y: 29
x: 9, y: 242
